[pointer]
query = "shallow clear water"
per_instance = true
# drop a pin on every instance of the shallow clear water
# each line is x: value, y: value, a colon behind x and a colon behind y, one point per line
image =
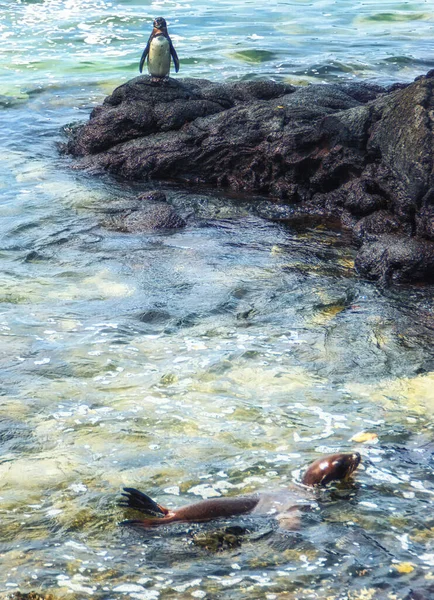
x: 216, y: 360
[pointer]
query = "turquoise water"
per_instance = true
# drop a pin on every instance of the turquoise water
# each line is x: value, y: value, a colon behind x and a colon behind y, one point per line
x: 81, y: 45
x: 215, y: 360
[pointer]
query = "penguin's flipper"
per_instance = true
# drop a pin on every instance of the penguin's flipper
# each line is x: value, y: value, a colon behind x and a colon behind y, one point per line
x: 174, y: 56
x: 140, y: 501
x: 144, y: 55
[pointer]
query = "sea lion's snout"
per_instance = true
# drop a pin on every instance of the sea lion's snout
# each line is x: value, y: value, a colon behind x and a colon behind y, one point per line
x: 356, y: 460
x: 347, y: 464
x: 331, y: 468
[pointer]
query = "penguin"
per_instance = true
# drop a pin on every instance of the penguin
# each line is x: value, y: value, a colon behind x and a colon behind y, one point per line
x: 158, y: 50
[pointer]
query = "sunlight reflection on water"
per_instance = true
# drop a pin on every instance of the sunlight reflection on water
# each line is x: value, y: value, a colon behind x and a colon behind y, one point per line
x: 215, y: 360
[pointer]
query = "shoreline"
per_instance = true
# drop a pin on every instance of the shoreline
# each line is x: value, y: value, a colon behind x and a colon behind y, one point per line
x: 352, y: 151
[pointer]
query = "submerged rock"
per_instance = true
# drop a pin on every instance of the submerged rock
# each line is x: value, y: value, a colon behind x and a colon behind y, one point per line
x: 149, y: 211
x: 153, y: 217
x: 395, y: 257
x: 355, y: 151
x: 152, y: 196
x: 221, y: 539
x: 30, y: 596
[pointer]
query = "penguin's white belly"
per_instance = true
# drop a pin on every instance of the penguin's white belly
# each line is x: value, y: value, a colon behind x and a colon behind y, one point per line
x: 159, y: 57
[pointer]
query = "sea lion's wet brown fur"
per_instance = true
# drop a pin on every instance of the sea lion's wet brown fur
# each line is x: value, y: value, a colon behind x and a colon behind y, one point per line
x: 331, y: 468
x: 322, y: 471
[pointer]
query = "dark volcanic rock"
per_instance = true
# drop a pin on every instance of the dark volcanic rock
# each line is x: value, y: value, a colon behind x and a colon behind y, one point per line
x: 157, y: 215
x: 355, y: 151
x: 152, y: 196
x: 375, y: 223
x: 30, y: 596
x: 396, y: 258
x: 142, y: 107
x: 148, y: 211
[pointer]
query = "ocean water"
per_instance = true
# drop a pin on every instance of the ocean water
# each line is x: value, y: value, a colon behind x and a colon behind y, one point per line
x: 212, y: 361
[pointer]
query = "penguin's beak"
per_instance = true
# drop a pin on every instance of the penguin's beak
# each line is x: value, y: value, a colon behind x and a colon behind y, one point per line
x: 159, y: 24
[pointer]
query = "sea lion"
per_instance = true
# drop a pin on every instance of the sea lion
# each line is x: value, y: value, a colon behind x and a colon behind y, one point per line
x: 158, y: 50
x: 283, y: 503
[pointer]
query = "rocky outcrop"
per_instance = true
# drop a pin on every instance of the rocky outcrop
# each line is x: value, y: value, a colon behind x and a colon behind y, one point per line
x: 359, y: 152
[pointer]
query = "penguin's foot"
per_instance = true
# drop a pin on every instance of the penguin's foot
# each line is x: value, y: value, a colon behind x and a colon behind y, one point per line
x: 159, y: 80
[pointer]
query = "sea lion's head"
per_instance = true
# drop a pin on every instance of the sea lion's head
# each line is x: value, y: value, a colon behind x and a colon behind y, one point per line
x: 331, y: 468
x: 160, y: 23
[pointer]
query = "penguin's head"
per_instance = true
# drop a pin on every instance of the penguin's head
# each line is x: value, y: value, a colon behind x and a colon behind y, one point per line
x: 160, y: 23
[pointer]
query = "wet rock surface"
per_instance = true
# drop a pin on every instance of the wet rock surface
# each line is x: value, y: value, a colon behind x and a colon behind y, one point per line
x: 355, y: 151
x: 30, y: 596
x: 394, y: 256
x: 149, y: 211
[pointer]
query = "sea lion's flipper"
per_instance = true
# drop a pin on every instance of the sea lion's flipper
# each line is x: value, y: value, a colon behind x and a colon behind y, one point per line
x: 140, y: 501
x: 174, y: 56
x: 144, y: 55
